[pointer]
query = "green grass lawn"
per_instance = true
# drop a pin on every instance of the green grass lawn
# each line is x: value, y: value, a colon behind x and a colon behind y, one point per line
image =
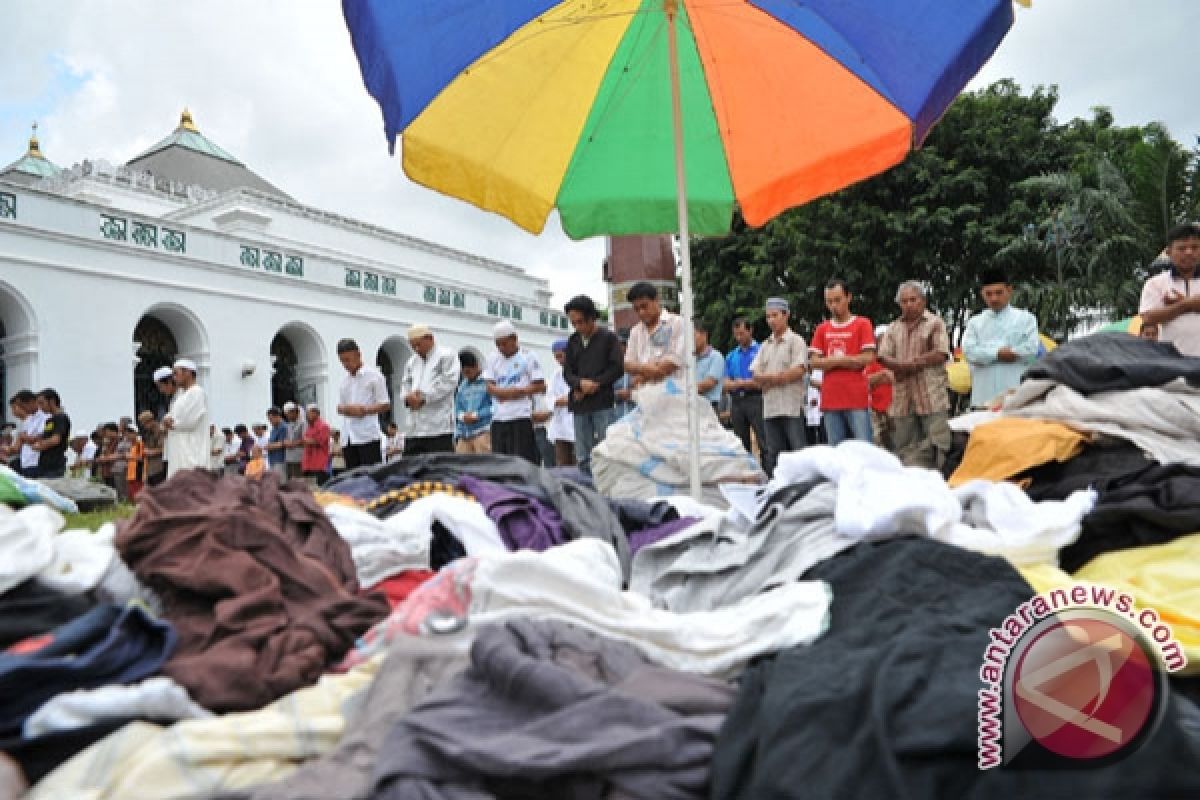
x: 92, y: 520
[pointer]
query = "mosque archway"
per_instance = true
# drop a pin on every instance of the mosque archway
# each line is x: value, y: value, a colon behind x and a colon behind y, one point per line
x: 391, y: 359
x: 164, y: 333
x: 18, y: 344
x: 298, y: 366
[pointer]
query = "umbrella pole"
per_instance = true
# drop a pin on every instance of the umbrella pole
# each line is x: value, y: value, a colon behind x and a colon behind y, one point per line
x: 686, y: 309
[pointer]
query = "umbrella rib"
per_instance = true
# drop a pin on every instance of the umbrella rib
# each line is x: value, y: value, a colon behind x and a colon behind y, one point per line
x: 614, y: 102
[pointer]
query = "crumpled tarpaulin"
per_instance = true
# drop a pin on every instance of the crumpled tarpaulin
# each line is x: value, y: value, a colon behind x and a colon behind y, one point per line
x: 1105, y: 362
x: 258, y: 584
x: 584, y: 512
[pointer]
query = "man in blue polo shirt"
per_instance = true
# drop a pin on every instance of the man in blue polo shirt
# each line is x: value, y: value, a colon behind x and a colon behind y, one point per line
x: 746, y: 400
x: 710, y: 366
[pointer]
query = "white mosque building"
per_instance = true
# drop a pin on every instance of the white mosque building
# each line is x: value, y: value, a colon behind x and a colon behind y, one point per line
x: 108, y: 272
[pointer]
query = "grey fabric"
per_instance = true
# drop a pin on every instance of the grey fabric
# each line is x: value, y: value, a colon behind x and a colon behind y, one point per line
x: 1164, y: 421
x: 87, y: 495
x: 550, y: 711
x: 585, y: 512
x: 725, y: 559
x: 414, y: 668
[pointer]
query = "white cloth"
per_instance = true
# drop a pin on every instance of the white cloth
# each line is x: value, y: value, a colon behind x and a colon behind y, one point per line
x: 1164, y: 421
x: 880, y: 497
x: 463, y: 517
x: 380, y: 548
x: 156, y: 698
x: 965, y: 423
x: 364, y: 388
x: 518, y: 371
x: 562, y: 421
x: 688, y: 507
x: 436, y: 377
x: 579, y: 583
x: 33, y: 425
x: 186, y: 446
x: 26, y: 543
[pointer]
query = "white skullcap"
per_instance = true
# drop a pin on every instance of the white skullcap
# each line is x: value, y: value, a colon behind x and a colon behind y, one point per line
x: 503, y: 329
x: 162, y: 373
x: 186, y: 363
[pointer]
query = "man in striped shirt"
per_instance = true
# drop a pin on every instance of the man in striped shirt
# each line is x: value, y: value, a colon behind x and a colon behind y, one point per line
x: 915, y: 349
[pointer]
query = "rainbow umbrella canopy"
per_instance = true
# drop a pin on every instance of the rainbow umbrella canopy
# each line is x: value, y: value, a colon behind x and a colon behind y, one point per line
x: 524, y: 106
x: 662, y: 116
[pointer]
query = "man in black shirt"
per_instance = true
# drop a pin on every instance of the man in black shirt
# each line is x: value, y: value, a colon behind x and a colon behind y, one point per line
x: 56, y: 436
x: 592, y: 365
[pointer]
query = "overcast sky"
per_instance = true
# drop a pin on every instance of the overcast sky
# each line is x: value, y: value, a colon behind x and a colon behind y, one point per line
x: 276, y: 83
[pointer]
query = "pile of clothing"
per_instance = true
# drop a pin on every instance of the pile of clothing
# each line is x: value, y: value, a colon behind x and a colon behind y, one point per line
x: 470, y: 627
x: 646, y: 454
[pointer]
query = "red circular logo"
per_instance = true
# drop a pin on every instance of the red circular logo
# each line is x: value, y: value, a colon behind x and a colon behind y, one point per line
x: 1084, y: 688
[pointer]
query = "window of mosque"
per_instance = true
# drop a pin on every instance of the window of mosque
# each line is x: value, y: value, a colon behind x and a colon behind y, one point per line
x: 8, y: 205
x: 112, y: 227
x: 353, y: 278
x: 460, y: 300
x: 370, y: 282
x: 175, y: 241
x: 505, y: 310
x: 272, y: 262
x: 389, y: 286
x: 443, y: 297
x: 295, y: 266
x: 494, y: 308
x: 430, y: 294
x: 250, y: 257
x: 144, y: 233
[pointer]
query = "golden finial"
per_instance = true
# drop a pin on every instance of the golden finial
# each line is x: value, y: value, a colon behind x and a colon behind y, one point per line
x: 185, y: 121
x: 34, y: 149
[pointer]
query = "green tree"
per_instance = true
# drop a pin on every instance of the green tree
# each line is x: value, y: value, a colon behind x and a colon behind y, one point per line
x: 939, y: 217
x: 1087, y: 256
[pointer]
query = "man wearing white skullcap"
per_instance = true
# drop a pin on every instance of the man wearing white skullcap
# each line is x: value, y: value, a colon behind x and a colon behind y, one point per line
x: 427, y: 389
x: 187, y: 444
x: 514, y: 377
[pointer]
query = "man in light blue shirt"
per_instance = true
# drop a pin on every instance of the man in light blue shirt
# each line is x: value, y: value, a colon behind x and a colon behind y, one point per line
x: 710, y: 366
x: 999, y: 343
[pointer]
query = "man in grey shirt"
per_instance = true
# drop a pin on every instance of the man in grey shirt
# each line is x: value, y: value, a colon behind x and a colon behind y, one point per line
x: 294, y: 453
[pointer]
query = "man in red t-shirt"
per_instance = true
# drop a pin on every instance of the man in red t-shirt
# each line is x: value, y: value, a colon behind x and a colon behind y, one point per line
x: 843, y: 347
x: 315, y: 460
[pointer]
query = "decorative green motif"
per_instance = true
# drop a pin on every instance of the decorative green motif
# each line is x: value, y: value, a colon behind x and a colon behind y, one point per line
x: 562, y: 323
x: 389, y: 286
x: 112, y: 227
x: 460, y: 300
x: 295, y: 266
x: 144, y: 233
x: 443, y: 297
x: 554, y: 320
x: 272, y: 262
x: 174, y: 241
x: 545, y: 318
x: 8, y: 205
x: 250, y: 257
x: 353, y: 278
x: 493, y: 308
x: 430, y: 294
x: 370, y: 282
x: 505, y: 310
x: 516, y: 312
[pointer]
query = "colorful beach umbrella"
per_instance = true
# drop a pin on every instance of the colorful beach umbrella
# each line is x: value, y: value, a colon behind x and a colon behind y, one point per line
x: 524, y: 106
x: 661, y: 116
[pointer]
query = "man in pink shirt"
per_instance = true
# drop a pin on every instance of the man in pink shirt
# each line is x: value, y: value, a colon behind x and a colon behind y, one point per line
x: 315, y: 461
x: 1171, y: 299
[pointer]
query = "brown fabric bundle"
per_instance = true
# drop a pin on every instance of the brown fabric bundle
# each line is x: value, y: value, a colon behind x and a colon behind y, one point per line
x: 255, y: 579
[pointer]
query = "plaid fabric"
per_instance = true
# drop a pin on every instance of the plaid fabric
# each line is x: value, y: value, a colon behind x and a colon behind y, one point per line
x: 924, y: 391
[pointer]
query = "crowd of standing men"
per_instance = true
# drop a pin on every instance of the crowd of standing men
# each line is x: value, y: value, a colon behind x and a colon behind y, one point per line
x: 885, y: 384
